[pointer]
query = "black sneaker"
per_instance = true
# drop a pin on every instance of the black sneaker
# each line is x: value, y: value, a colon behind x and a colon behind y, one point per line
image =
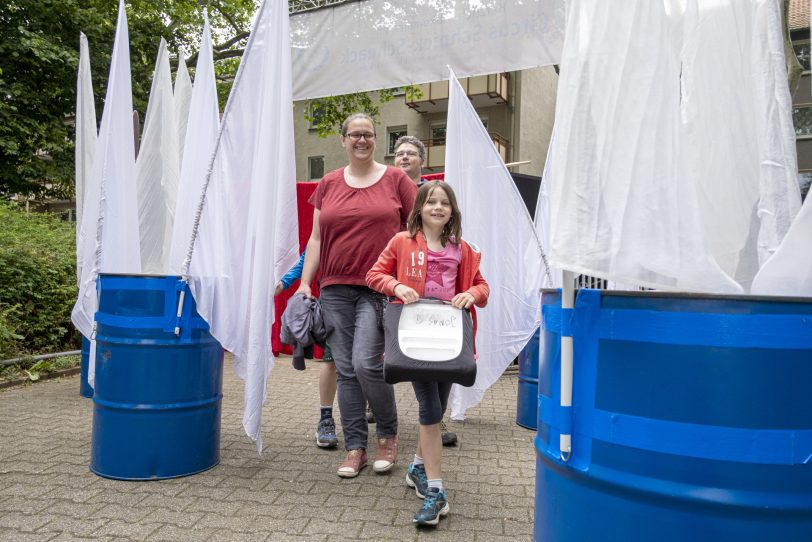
x: 435, y: 505
x: 416, y: 478
x: 326, y: 433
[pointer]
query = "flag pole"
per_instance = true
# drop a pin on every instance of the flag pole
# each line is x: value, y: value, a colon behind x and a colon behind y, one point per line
x: 567, y: 306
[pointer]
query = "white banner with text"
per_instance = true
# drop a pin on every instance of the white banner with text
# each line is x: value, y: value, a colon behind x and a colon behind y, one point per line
x: 375, y: 44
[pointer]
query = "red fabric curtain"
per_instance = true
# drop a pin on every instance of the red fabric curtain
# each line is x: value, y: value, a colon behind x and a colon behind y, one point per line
x: 433, y: 177
x: 304, y: 212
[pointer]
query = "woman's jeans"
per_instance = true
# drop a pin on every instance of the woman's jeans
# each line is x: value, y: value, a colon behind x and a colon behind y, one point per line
x: 353, y: 316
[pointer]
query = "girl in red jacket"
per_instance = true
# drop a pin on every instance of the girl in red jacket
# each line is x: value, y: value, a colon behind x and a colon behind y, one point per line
x: 431, y: 260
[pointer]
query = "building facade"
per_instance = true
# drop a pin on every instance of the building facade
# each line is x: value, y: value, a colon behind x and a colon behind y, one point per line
x: 517, y: 109
x: 802, y: 99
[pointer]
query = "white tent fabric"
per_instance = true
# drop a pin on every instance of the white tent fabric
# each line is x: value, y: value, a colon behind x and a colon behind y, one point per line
x: 789, y: 271
x: 109, y: 235
x: 204, y: 125
x: 85, y: 140
x: 554, y: 279
x: 673, y: 151
x: 734, y: 59
x: 376, y: 44
x: 248, y: 234
x: 157, y: 169
x: 183, y: 100
x: 512, y: 261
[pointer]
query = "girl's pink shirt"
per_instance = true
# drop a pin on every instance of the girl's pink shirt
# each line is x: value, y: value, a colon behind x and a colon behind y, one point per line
x: 441, y: 272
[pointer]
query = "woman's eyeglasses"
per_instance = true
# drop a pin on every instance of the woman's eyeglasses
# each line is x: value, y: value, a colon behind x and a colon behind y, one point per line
x: 355, y: 136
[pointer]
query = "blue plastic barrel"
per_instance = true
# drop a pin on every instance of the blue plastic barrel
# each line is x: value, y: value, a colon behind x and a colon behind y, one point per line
x: 527, y: 397
x: 84, y: 388
x: 157, y: 399
x: 691, y: 419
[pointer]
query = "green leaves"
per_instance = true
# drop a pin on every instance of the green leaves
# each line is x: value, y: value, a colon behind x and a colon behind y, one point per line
x: 327, y: 114
x: 37, y: 282
x: 39, y: 42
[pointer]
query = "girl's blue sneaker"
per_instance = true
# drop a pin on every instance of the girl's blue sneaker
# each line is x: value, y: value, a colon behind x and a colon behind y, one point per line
x: 326, y: 433
x: 435, y: 505
x: 416, y: 478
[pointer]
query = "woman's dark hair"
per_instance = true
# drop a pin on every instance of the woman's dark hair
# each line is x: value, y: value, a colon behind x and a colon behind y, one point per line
x: 452, y: 231
x: 355, y: 116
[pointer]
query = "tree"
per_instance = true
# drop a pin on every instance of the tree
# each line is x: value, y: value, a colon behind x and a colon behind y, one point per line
x: 38, y: 63
x: 327, y: 114
x: 39, y: 58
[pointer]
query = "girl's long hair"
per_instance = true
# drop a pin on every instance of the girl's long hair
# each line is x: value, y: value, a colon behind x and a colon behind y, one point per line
x: 452, y: 231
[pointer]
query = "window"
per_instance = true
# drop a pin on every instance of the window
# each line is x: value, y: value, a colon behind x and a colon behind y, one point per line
x: 438, y: 134
x: 484, y: 122
x: 315, y: 167
x: 316, y: 113
x: 804, y: 180
x: 393, y: 133
x: 802, y: 52
x: 802, y: 119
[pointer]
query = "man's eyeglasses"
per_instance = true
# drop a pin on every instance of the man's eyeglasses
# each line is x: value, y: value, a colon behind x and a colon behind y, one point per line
x: 356, y: 136
x: 410, y: 154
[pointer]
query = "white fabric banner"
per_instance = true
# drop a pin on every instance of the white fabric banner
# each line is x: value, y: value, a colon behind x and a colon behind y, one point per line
x: 157, y: 169
x: 674, y: 164
x: 374, y: 44
x: 109, y: 235
x: 183, y: 101
x: 789, y: 271
x: 248, y: 232
x: 495, y: 218
x: 201, y: 136
x: 86, y: 136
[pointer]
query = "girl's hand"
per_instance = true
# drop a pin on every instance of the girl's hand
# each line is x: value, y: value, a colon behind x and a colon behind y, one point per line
x: 304, y: 289
x: 406, y: 294
x: 462, y: 300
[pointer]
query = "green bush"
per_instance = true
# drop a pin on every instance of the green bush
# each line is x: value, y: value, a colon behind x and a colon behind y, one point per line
x: 37, y: 282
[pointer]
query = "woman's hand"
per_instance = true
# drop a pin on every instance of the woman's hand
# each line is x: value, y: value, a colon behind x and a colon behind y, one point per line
x: 406, y: 294
x: 462, y: 300
x: 304, y: 289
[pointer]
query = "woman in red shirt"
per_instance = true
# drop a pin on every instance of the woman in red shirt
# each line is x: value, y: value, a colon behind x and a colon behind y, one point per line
x: 358, y: 208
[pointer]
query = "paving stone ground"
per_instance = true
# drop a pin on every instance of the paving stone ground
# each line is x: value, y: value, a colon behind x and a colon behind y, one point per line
x: 290, y: 492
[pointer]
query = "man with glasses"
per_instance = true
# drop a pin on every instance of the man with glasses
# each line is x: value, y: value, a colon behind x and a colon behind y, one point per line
x: 410, y: 155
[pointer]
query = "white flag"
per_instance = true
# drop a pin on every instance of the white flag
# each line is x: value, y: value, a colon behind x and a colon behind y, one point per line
x: 109, y: 235
x: 789, y: 271
x: 85, y: 140
x: 676, y: 171
x: 248, y: 233
x: 183, y: 99
x: 157, y: 169
x: 201, y: 136
x: 495, y: 218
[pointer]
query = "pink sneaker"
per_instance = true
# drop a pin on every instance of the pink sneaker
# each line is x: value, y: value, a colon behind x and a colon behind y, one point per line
x: 352, y: 465
x: 386, y: 455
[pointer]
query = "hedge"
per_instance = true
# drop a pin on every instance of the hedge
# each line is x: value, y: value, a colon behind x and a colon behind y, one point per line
x: 37, y: 282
